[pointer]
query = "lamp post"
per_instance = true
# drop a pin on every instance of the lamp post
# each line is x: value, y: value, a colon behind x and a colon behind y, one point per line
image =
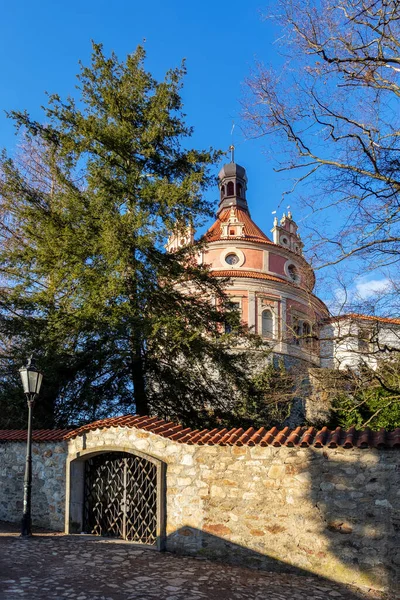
x: 31, y: 381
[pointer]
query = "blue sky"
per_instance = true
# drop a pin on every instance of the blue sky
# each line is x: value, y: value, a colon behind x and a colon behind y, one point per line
x: 42, y: 42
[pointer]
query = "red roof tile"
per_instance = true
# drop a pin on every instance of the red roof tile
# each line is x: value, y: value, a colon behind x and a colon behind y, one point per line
x: 38, y: 435
x: 335, y: 438
x: 301, y: 436
x: 358, y: 317
x: 252, y: 274
x: 307, y: 438
x: 251, y: 231
x: 294, y: 437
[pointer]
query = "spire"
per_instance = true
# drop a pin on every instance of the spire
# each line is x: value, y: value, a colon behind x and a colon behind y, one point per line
x: 232, y: 185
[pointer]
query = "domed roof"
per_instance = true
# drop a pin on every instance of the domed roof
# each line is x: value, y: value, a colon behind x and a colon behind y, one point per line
x: 232, y: 170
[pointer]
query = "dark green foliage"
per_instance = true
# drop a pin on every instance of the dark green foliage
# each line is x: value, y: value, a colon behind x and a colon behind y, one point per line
x: 270, y: 400
x: 374, y: 401
x: 87, y: 285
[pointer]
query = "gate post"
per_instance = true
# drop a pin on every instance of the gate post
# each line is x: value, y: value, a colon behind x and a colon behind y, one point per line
x: 75, y: 472
x: 161, y: 506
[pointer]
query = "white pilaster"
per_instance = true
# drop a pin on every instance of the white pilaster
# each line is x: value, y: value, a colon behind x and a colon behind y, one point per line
x: 283, y: 319
x: 252, y: 311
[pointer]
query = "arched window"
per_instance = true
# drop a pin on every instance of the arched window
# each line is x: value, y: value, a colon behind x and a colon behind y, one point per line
x: 314, y: 338
x: 296, y: 330
x: 267, y: 324
x: 236, y: 306
x: 239, y: 190
x: 307, y: 333
x: 230, y: 189
x: 222, y: 191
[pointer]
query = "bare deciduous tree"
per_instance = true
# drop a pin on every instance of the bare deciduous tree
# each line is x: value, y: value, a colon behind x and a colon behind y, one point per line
x: 335, y: 108
x: 332, y: 115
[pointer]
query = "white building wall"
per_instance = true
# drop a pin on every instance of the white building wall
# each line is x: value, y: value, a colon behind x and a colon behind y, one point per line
x: 347, y: 343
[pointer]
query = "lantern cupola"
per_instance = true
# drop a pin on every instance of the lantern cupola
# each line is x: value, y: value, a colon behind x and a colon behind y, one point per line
x: 232, y: 186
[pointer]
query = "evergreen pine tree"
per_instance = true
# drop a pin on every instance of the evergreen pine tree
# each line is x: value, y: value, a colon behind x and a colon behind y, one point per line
x: 87, y: 284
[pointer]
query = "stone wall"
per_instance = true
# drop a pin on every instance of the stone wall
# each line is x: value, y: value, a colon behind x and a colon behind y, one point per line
x: 48, y: 483
x: 335, y: 512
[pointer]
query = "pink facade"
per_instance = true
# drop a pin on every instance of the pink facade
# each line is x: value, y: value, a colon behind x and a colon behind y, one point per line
x: 277, y: 263
x: 270, y: 282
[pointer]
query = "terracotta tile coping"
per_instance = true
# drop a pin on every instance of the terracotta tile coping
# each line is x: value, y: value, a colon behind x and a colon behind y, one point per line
x: 357, y: 317
x: 302, y: 437
x: 38, y: 435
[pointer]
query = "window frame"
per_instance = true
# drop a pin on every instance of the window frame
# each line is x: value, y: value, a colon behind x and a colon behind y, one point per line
x: 270, y: 335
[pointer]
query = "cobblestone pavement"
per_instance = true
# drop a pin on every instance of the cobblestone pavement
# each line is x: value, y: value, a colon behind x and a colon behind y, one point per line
x: 54, y: 566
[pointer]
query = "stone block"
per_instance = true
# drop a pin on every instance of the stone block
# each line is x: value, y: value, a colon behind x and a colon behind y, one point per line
x: 340, y: 526
x: 233, y: 517
x: 217, y: 491
x: 249, y: 495
x: 187, y: 459
x: 235, y: 493
x: 304, y: 478
x: 326, y: 486
x: 257, y: 532
x: 240, y: 451
x: 142, y: 445
x: 201, y: 484
x: 275, y: 528
x: 384, y: 503
x: 276, y: 472
x: 218, y: 529
x: 183, y: 481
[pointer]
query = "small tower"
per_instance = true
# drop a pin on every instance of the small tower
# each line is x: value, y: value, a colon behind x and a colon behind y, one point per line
x: 285, y: 234
x: 181, y: 236
x: 232, y: 187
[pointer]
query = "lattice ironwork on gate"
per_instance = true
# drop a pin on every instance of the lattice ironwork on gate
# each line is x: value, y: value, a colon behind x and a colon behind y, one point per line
x: 122, y: 497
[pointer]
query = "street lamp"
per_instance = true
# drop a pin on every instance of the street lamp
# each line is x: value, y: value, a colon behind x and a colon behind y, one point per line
x: 31, y: 381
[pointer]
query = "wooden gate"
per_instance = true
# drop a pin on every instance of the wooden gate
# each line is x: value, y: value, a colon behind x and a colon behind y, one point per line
x: 121, y: 497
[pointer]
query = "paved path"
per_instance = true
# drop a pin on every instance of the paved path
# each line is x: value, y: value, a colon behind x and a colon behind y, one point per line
x: 58, y: 567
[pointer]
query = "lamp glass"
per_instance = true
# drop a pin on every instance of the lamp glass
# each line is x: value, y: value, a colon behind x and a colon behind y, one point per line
x: 24, y: 376
x: 31, y: 380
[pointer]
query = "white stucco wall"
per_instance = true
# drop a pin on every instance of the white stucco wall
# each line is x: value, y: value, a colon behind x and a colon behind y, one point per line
x: 340, y: 344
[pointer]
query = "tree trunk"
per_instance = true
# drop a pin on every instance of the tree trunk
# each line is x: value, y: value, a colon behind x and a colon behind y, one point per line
x: 138, y: 379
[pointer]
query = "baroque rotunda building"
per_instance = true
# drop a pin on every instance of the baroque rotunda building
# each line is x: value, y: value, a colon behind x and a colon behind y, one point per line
x: 270, y: 282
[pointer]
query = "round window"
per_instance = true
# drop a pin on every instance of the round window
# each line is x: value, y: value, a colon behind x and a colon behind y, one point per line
x: 284, y: 241
x: 231, y: 259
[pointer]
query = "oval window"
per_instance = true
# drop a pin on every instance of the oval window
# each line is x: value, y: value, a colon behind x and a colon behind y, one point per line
x: 231, y: 259
x: 293, y: 274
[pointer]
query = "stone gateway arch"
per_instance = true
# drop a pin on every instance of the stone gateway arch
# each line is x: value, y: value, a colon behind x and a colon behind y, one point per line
x: 118, y: 494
